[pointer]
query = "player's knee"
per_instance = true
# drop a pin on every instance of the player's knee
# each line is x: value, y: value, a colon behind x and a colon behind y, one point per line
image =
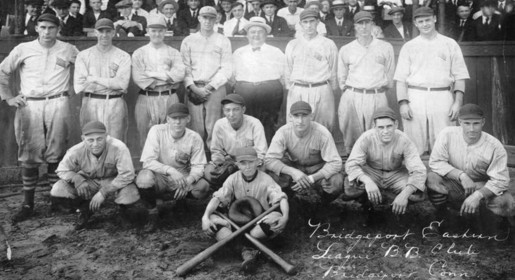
x: 201, y: 189
x: 145, y: 179
x: 59, y: 189
x: 434, y: 183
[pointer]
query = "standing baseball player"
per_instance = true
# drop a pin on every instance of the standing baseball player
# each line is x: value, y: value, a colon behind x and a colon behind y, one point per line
x: 92, y: 170
x: 365, y: 73
x: 208, y: 59
x: 469, y: 169
x: 303, y: 151
x: 102, y: 73
x: 234, y: 131
x: 430, y: 75
x: 173, y: 163
x: 42, y: 103
x: 311, y: 70
x: 252, y: 186
x: 259, y: 72
x: 385, y: 161
x: 158, y: 70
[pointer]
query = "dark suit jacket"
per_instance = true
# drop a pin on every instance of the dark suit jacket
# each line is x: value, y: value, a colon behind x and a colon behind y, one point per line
x: 391, y: 32
x: 486, y: 32
x: 89, y: 18
x: 186, y: 20
x: 253, y: 14
x: 177, y: 29
x: 348, y: 14
x: 136, y: 31
x: 72, y: 27
x: 224, y: 18
x: 279, y: 27
x: 459, y: 33
x: 347, y: 28
x: 31, y: 27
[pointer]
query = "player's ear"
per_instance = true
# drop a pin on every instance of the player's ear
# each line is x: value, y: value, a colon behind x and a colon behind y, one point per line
x: 244, y: 108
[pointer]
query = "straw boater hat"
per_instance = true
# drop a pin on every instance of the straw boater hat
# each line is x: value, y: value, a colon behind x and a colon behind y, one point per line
x: 257, y: 21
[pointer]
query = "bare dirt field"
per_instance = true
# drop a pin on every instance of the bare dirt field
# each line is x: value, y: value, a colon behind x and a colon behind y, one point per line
x: 337, y: 247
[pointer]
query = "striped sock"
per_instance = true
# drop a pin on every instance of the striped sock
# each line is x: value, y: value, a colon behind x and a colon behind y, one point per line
x: 52, y: 176
x: 30, y: 178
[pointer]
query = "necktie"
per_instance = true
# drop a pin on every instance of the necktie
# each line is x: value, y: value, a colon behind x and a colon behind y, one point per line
x: 135, y: 13
x: 340, y: 23
x: 501, y: 5
x: 236, y: 28
x: 168, y: 24
x: 256, y: 49
x: 462, y: 23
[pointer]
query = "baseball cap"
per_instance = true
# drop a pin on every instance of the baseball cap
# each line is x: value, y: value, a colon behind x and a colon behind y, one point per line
x: 233, y: 98
x: 104, y: 23
x: 384, y: 112
x: 208, y: 11
x: 245, y: 153
x: 307, y: 13
x: 266, y: 2
x: 362, y: 15
x: 300, y: 107
x: 178, y: 110
x: 123, y: 4
x: 395, y: 10
x: 50, y: 18
x: 470, y: 111
x: 93, y: 127
x: 423, y: 12
x: 156, y: 22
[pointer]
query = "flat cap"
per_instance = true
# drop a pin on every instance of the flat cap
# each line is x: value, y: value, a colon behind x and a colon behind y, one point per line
x: 384, y: 112
x: 245, y: 153
x: 267, y: 2
x: 93, y: 127
x: 178, y: 110
x: 61, y: 4
x: 362, y: 15
x: 123, y: 4
x: 470, y: 111
x: 300, y: 107
x: 338, y: 3
x: 49, y: 18
x: 169, y: 2
x: 423, y: 12
x: 395, y: 10
x: 104, y: 23
x: 313, y: 2
x: 307, y: 13
x: 208, y: 11
x: 257, y: 21
x: 156, y: 22
x: 233, y: 98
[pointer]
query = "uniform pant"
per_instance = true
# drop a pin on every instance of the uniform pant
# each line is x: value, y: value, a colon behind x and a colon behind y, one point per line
x: 165, y: 187
x: 391, y: 183
x: 151, y: 110
x: 355, y: 114
x: 263, y: 101
x: 444, y: 190
x: 41, y: 131
x: 111, y: 112
x: 204, y: 116
x: 430, y: 111
x: 320, y: 98
x: 125, y: 196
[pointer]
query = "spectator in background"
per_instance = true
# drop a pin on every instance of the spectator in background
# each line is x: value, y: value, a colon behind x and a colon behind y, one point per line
x: 33, y: 8
x: 398, y: 29
x: 291, y: 13
x: 70, y: 26
x: 377, y: 32
x: 138, y: 10
x: 256, y: 9
x: 129, y: 24
x: 188, y: 17
x: 487, y: 27
x: 95, y: 13
x: 279, y: 25
x: 325, y: 10
x: 168, y: 9
x: 339, y: 25
x: 315, y: 6
x: 219, y: 27
x: 225, y: 10
x: 234, y: 26
x: 352, y: 9
x: 74, y: 11
x: 461, y: 28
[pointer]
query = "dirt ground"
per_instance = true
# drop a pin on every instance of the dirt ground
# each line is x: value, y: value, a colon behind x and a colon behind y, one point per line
x: 337, y: 247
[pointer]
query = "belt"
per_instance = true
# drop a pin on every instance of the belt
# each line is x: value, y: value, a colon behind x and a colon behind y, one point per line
x: 257, y: 83
x: 47, y: 97
x: 430, y: 89
x: 366, y: 91
x: 310, y: 85
x: 157, y: 93
x: 101, y: 96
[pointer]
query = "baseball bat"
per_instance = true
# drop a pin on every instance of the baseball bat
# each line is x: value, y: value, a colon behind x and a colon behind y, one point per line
x: 200, y: 257
x: 290, y: 269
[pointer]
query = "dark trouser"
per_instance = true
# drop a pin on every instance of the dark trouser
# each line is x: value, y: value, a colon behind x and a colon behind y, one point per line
x: 263, y: 101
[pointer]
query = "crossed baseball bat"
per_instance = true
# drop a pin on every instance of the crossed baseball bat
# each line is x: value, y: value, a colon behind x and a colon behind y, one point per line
x: 189, y: 265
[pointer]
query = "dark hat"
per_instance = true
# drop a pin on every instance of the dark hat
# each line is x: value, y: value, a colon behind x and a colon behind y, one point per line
x: 156, y: 22
x: 470, y: 111
x: 34, y: 2
x: 362, y: 15
x: 245, y: 209
x: 245, y: 153
x: 61, y: 4
x: 384, y: 112
x: 167, y: 2
x: 178, y: 110
x: 300, y: 107
x: 266, y: 2
x: 236, y: 4
x: 338, y: 3
x: 395, y: 10
x: 488, y: 3
x: 50, y: 18
x: 123, y: 4
x: 423, y: 12
x: 93, y: 127
x: 307, y: 13
x: 208, y: 11
x: 233, y: 98
x: 104, y: 23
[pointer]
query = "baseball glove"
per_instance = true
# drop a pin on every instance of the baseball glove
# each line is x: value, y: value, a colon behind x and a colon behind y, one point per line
x: 245, y: 209
x: 221, y: 172
x: 194, y: 98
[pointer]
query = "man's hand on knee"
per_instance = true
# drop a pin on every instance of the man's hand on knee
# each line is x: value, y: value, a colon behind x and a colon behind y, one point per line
x: 301, y: 179
x: 84, y: 190
x: 467, y: 184
x: 471, y: 204
x: 96, y: 201
x: 373, y: 192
